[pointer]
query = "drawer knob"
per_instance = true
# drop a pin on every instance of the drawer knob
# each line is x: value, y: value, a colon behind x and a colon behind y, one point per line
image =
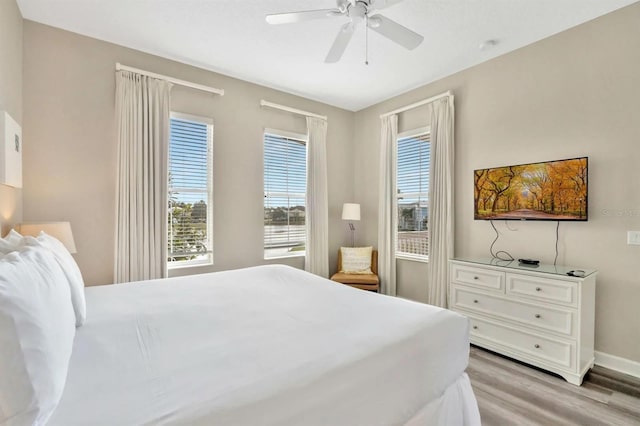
x: 475, y: 300
x: 537, y: 346
x: 475, y: 278
x: 538, y: 289
x: 537, y: 315
x: 475, y: 327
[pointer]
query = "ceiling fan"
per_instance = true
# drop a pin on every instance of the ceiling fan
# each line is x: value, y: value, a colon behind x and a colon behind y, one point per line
x: 357, y: 11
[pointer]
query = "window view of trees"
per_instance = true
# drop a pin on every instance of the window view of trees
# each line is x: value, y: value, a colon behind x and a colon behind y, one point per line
x: 190, y: 192
x: 187, y: 230
x: 281, y: 216
x: 285, y: 185
x: 284, y: 229
x: 554, y: 190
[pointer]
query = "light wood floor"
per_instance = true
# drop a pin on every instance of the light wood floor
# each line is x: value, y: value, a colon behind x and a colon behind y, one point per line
x: 511, y: 393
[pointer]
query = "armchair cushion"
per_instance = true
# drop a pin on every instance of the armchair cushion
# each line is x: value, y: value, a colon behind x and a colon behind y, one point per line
x: 370, y: 279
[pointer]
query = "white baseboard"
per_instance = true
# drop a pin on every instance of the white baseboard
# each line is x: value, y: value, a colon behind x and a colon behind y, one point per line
x: 621, y: 365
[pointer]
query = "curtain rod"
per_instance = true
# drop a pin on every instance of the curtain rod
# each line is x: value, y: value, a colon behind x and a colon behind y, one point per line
x: 417, y: 104
x: 289, y: 109
x: 120, y: 67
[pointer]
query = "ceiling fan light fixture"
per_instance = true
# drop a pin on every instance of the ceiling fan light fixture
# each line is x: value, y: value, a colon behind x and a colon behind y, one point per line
x: 359, y: 11
x: 374, y: 22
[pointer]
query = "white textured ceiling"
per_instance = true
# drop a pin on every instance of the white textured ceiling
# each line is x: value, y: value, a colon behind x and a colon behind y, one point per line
x: 232, y: 37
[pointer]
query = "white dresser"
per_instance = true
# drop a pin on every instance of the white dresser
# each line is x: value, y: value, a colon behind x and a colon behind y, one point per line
x: 536, y: 314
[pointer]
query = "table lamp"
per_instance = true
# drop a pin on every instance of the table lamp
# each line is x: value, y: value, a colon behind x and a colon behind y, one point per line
x: 351, y: 212
x: 58, y: 230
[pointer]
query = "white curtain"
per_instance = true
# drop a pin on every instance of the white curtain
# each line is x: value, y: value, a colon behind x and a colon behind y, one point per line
x: 317, y: 216
x: 440, y: 230
x: 142, y: 112
x: 387, y: 205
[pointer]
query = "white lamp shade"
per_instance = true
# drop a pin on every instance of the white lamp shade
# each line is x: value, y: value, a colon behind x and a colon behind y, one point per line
x: 58, y: 230
x: 351, y: 211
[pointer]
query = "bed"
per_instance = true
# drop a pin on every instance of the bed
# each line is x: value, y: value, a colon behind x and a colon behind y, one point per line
x: 268, y: 345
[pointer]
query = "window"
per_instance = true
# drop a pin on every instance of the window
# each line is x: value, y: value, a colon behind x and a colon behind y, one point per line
x: 190, y: 194
x: 413, y: 192
x: 285, y: 187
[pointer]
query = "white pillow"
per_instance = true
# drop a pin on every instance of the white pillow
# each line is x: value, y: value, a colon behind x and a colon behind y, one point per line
x: 36, y: 335
x: 10, y: 242
x: 13, y: 241
x: 356, y: 260
x: 70, y: 268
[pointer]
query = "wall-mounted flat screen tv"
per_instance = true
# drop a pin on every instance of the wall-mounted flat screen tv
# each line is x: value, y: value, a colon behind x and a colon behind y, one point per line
x: 551, y: 190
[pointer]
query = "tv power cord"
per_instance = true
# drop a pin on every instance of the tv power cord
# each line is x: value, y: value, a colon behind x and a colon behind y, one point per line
x: 500, y: 254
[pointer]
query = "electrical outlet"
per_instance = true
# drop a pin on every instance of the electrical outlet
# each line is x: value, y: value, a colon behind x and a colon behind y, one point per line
x: 633, y: 238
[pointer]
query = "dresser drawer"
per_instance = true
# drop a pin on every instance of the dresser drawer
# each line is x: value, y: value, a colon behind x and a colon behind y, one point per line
x: 545, y: 318
x: 545, y: 289
x: 478, y: 277
x: 528, y: 345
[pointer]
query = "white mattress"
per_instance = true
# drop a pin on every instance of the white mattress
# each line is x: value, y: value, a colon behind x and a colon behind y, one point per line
x: 269, y: 345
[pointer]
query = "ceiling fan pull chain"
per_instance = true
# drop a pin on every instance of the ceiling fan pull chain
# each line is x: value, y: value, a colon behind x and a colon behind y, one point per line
x: 366, y: 39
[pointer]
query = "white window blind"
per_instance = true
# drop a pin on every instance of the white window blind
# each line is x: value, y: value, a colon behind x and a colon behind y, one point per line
x: 285, y: 186
x: 190, y: 194
x: 414, y: 153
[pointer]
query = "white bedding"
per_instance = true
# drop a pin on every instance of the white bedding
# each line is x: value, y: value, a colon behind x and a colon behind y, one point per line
x: 269, y: 345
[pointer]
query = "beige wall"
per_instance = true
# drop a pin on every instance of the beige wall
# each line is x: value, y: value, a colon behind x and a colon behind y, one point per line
x: 573, y: 94
x: 70, y: 162
x: 10, y: 98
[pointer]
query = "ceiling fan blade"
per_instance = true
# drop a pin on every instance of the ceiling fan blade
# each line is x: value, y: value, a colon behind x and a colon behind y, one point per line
x: 307, y: 15
x: 395, y: 32
x: 340, y: 44
x: 381, y: 4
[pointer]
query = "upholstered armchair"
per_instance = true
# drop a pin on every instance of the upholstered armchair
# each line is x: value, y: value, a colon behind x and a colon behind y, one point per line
x: 358, y: 280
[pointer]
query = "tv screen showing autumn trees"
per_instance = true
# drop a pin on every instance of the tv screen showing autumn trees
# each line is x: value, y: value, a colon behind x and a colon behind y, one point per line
x: 554, y: 190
